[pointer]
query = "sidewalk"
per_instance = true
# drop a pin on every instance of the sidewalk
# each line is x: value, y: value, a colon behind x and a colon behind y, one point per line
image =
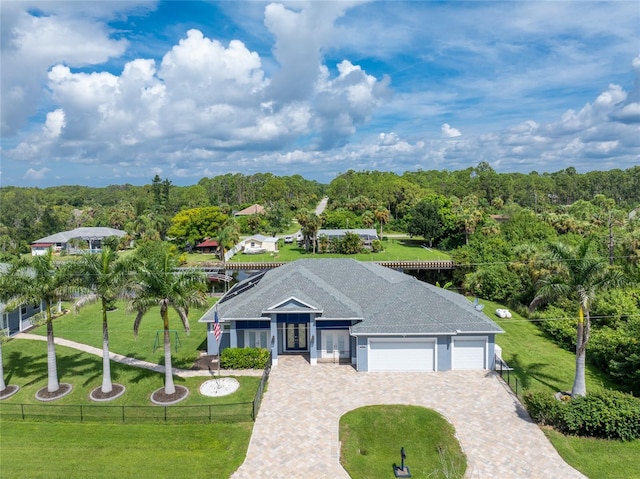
x: 137, y: 363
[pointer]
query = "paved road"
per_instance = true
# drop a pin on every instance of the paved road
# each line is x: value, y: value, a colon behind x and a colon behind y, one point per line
x: 296, y: 433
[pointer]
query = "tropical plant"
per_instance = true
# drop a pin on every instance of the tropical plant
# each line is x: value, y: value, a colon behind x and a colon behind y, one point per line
x: 39, y: 280
x: 309, y: 225
x: 579, y: 275
x: 382, y: 215
x: 159, y: 282
x: 228, y: 235
x: 105, y: 276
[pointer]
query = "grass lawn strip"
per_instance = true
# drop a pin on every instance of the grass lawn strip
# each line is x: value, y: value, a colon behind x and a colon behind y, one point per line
x: 372, y: 436
x: 70, y: 451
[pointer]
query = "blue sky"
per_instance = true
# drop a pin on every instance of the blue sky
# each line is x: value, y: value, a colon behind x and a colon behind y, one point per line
x: 100, y: 93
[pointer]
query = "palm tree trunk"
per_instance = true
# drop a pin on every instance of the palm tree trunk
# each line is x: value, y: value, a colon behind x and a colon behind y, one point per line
x: 579, y: 383
x: 3, y: 386
x: 169, y: 387
x: 52, y: 367
x: 107, y: 385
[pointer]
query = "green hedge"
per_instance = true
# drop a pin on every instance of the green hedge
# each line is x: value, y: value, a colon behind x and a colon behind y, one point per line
x: 604, y: 414
x: 244, y: 358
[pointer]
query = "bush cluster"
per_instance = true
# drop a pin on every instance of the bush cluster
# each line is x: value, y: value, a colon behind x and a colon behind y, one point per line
x: 244, y: 358
x: 604, y: 414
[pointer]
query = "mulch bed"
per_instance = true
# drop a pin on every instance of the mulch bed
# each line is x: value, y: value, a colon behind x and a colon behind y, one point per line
x: 116, y: 391
x: 162, y: 398
x: 44, y: 395
x: 9, y: 391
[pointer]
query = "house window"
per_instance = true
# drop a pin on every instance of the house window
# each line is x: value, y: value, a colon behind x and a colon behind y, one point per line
x: 256, y: 338
x: 23, y: 309
x: 36, y: 307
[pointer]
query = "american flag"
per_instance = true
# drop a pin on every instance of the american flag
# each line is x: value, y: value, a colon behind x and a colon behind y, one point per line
x: 216, y: 326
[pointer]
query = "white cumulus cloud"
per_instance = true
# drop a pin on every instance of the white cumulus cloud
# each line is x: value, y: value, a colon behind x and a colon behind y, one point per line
x: 449, y: 132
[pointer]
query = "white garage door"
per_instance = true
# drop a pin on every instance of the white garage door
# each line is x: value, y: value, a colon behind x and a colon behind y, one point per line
x: 469, y: 353
x: 401, y: 355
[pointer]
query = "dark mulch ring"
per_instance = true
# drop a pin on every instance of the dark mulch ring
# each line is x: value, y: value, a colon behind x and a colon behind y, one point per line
x: 163, y: 399
x: 9, y: 391
x: 44, y: 395
x: 117, y: 390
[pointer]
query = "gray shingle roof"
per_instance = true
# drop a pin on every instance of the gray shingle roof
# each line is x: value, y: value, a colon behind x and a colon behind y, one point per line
x: 98, y: 232
x: 385, y: 301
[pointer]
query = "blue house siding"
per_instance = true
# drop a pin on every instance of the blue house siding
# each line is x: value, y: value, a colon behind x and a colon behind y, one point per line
x: 19, y: 319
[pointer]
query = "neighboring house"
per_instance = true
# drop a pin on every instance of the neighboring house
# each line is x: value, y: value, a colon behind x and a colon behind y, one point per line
x: 376, y: 318
x: 207, y: 246
x: 93, y: 237
x: 17, y: 320
x: 251, y: 210
x: 366, y: 235
x: 260, y: 244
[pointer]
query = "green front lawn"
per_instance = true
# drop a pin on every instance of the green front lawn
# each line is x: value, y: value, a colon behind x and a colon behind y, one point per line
x: 86, y: 327
x: 395, y: 249
x: 598, y: 458
x: 70, y: 451
x: 62, y: 447
x: 372, y: 436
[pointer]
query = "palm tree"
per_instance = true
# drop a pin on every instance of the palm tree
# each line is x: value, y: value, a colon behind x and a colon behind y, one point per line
x: 105, y: 276
x: 382, y: 215
x: 228, y: 236
x: 580, y: 275
x: 32, y: 282
x: 368, y: 218
x: 159, y: 282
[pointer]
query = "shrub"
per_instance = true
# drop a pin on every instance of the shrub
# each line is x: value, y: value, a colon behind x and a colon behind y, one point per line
x: 376, y: 246
x: 603, y: 414
x: 244, y: 358
x: 544, y: 408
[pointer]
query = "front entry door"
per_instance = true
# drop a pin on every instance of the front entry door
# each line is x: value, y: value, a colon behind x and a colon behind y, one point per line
x: 296, y: 337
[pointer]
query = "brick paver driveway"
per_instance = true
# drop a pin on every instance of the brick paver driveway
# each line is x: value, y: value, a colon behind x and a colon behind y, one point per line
x: 296, y: 433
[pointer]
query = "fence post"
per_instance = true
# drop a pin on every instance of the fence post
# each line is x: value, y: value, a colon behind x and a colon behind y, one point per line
x: 165, y: 414
x: 81, y: 416
x: 122, y: 414
x: 209, y: 413
x: 22, y: 410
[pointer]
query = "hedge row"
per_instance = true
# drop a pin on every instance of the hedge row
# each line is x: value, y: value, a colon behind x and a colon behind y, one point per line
x: 605, y: 414
x: 244, y: 358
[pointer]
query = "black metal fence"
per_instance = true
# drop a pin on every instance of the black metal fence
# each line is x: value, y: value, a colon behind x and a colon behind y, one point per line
x: 257, y: 400
x: 511, y: 379
x: 200, y: 414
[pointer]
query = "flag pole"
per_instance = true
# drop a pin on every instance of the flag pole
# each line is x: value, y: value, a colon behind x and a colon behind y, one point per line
x: 218, y: 334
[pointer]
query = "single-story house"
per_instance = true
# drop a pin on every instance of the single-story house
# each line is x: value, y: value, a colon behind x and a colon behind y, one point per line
x: 251, y: 210
x: 260, y: 244
x: 60, y: 241
x: 207, y: 246
x: 367, y: 235
x: 374, y: 317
